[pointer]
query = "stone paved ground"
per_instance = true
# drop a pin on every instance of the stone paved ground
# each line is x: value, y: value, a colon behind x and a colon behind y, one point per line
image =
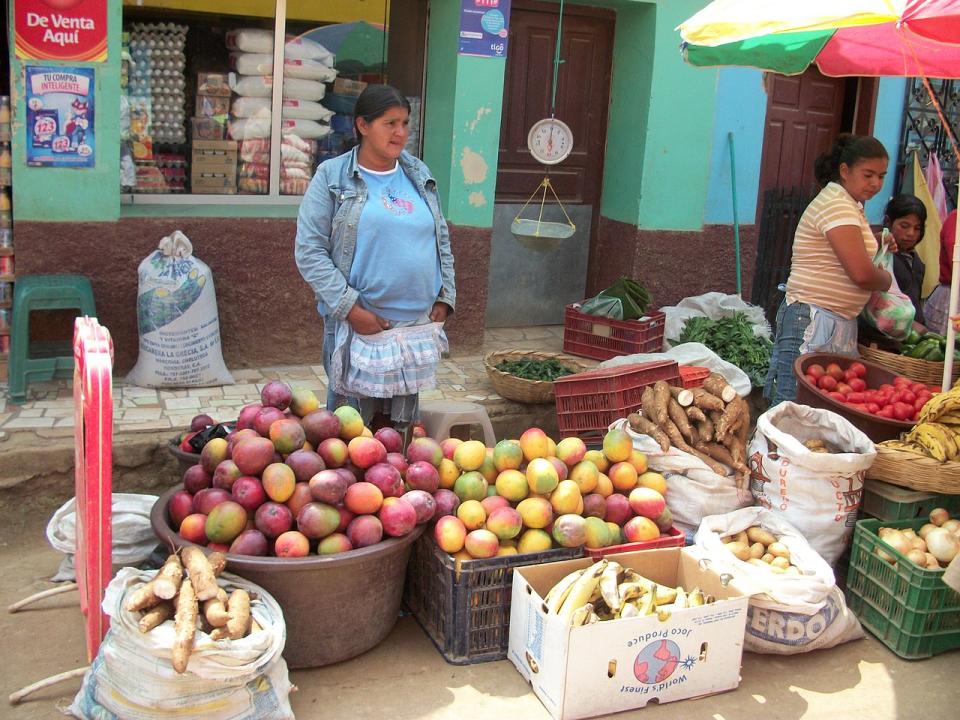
x: 36, y: 438
x: 48, y: 413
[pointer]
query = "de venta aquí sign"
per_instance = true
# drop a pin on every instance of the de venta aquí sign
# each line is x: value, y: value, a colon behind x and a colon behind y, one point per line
x: 73, y: 30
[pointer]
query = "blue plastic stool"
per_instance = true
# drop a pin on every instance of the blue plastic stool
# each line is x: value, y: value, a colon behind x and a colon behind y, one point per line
x: 43, y: 292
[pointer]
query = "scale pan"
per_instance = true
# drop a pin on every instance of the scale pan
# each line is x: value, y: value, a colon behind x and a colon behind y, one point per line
x: 541, y: 235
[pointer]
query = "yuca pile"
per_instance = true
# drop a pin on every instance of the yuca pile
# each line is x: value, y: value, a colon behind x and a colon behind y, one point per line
x: 712, y: 423
x: 171, y: 595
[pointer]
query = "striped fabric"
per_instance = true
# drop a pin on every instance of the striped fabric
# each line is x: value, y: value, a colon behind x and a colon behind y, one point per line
x: 398, y: 361
x: 816, y: 275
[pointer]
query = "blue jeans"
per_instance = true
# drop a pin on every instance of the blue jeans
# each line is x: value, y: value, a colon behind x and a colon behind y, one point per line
x: 792, y: 322
x: 805, y: 328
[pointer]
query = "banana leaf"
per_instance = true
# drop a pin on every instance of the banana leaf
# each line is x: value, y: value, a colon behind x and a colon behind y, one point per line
x: 626, y: 299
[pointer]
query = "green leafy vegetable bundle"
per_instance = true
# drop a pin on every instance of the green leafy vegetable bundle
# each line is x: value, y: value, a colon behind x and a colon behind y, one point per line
x: 733, y: 340
x: 548, y: 370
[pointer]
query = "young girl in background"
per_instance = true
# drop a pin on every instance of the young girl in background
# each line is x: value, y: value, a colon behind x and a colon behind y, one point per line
x: 905, y: 217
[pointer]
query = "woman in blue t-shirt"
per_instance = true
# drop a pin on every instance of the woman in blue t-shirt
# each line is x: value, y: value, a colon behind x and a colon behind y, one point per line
x: 374, y: 246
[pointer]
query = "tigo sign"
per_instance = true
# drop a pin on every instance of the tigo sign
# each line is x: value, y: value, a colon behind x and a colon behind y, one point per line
x: 61, y: 30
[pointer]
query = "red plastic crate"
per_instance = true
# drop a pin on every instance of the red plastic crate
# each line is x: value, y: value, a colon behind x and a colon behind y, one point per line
x: 671, y: 538
x: 603, y: 338
x: 692, y: 376
x: 588, y: 402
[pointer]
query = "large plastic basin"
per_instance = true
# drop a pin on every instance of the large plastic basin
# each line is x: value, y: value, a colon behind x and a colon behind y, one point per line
x: 184, y: 459
x: 875, y: 428
x: 336, y: 607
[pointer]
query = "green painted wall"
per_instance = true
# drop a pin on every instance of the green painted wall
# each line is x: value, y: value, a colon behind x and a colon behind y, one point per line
x: 659, y: 135
x: 78, y: 194
x: 633, y: 60
x: 679, y: 132
x: 464, y: 97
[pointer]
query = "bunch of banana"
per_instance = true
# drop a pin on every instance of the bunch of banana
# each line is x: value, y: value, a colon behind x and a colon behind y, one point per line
x: 937, y: 440
x: 608, y: 591
x: 937, y: 432
x: 941, y: 405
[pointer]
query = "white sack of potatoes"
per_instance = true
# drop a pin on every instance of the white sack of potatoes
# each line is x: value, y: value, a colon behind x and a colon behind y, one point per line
x: 787, y: 614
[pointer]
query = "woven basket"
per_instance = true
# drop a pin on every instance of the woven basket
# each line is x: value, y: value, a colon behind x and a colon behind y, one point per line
x: 915, y: 471
x: 923, y: 371
x: 526, y: 391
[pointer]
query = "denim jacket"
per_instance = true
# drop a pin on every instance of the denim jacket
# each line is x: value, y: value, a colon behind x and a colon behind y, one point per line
x: 327, y: 230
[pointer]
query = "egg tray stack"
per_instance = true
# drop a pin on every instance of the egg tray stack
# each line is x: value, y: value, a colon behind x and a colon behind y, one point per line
x: 156, y: 86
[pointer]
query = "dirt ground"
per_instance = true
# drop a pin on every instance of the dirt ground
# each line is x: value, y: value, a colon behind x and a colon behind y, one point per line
x: 405, y: 678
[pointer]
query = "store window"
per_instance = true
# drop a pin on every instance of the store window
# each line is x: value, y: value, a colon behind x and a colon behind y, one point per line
x: 245, y: 98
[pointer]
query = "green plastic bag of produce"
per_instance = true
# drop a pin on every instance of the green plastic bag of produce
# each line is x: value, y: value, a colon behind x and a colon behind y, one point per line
x: 890, y: 311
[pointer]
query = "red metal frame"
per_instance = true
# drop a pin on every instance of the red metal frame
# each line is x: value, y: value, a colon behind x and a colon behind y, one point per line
x: 93, y: 441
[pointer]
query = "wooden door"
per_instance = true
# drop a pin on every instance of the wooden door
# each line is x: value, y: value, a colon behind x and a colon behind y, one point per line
x: 804, y: 114
x: 583, y: 93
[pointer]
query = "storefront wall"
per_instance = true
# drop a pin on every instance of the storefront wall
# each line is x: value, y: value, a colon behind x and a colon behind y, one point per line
x: 662, y: 214
x: 73, y: 221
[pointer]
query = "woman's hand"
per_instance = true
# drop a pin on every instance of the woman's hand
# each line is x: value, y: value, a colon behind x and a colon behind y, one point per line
x: 890, y: 241
x: 439, y: 312
x: 365, y: 322
x: 847, y: 242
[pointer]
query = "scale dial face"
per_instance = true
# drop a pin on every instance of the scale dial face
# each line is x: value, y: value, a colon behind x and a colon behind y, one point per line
x: 550, y: 141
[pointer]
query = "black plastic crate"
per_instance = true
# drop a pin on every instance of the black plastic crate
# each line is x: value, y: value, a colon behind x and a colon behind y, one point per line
x: 466, y: 611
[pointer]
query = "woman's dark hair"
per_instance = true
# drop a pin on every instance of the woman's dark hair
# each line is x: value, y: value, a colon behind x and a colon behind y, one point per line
x: 374, y: 101
x: 847, y: 149
x: 903, y: 205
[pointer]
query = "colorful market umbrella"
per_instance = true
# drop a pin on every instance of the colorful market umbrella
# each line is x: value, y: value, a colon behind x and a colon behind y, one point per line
x: 903, y: 38
x: 842, y: 37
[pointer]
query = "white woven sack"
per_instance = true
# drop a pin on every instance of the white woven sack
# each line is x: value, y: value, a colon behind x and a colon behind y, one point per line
x: 178, y: 321
x: 818, y: 493
x: 132, y: 677
x: 132, y: 536
x: 787, y: 614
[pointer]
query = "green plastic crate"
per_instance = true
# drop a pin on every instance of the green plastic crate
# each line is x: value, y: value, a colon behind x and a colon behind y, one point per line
x: 907, y: 607
x: 885, y: 501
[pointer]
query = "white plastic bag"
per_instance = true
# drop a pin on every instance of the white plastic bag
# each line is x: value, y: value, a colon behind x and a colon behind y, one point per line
x: 787, y: 614
x: 302, y: 48
x: 178, y: 320
x: 132, y: 677
x: 262, y: 64
x: 694, y: 491
x: 262, y: 86
x: 297, y: 89
x: 245, y: 107
x: 251, y: 85
x: 715, y: 306
x: 306, y: 69
x: 691, y: 354
x: 818, y: 493
x: 250, y: 40
x: 305, y: 110
x: 307, y: 129
x: 132, y: 536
